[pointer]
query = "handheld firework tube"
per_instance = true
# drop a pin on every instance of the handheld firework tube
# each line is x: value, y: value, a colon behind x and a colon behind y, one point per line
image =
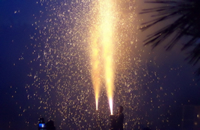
x: 112, y: 122
x: 98, y: 123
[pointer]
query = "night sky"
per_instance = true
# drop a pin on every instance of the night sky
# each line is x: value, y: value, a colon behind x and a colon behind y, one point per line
x: 44, y: 69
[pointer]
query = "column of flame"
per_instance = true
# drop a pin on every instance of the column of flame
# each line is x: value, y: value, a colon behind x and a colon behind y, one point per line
x: 107, y: 30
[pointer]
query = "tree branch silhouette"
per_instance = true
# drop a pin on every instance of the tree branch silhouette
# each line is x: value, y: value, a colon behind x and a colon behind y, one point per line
x: 186, y: 22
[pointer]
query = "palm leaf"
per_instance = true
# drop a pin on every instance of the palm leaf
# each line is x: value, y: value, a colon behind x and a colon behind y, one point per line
x: 185, y: 15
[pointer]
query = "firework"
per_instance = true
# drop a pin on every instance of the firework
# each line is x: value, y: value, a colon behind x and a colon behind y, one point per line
x: 102, y: 37
x: 107, y: 31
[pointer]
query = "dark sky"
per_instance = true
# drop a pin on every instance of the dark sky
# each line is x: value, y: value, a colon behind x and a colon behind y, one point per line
x: 164, y: 79
x: 19, y: 11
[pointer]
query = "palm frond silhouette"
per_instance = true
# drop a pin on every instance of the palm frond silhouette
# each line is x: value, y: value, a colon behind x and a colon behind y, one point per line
x: 187, y: 23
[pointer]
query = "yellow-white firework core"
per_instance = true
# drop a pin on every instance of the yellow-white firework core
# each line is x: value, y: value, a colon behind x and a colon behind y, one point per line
x: 107, y: 31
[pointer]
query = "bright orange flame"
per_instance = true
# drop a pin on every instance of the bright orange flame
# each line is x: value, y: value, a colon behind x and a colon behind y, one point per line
x: 107, y: 30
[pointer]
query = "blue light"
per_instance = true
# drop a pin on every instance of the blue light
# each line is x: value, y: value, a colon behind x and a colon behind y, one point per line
x: 41, y: 125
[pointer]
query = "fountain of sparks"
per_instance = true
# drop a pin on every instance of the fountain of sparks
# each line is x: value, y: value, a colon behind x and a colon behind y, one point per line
x: 107, y: 26
x: 66, y: 73
x: 95, y: 69
x: 103, y: 31
x: 62, y: 89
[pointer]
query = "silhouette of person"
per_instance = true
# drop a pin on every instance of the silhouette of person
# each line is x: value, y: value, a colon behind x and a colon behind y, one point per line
x: 41, y: 124
x: 50, y: 125
x: 119, y: 118
x: 146, y: 128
